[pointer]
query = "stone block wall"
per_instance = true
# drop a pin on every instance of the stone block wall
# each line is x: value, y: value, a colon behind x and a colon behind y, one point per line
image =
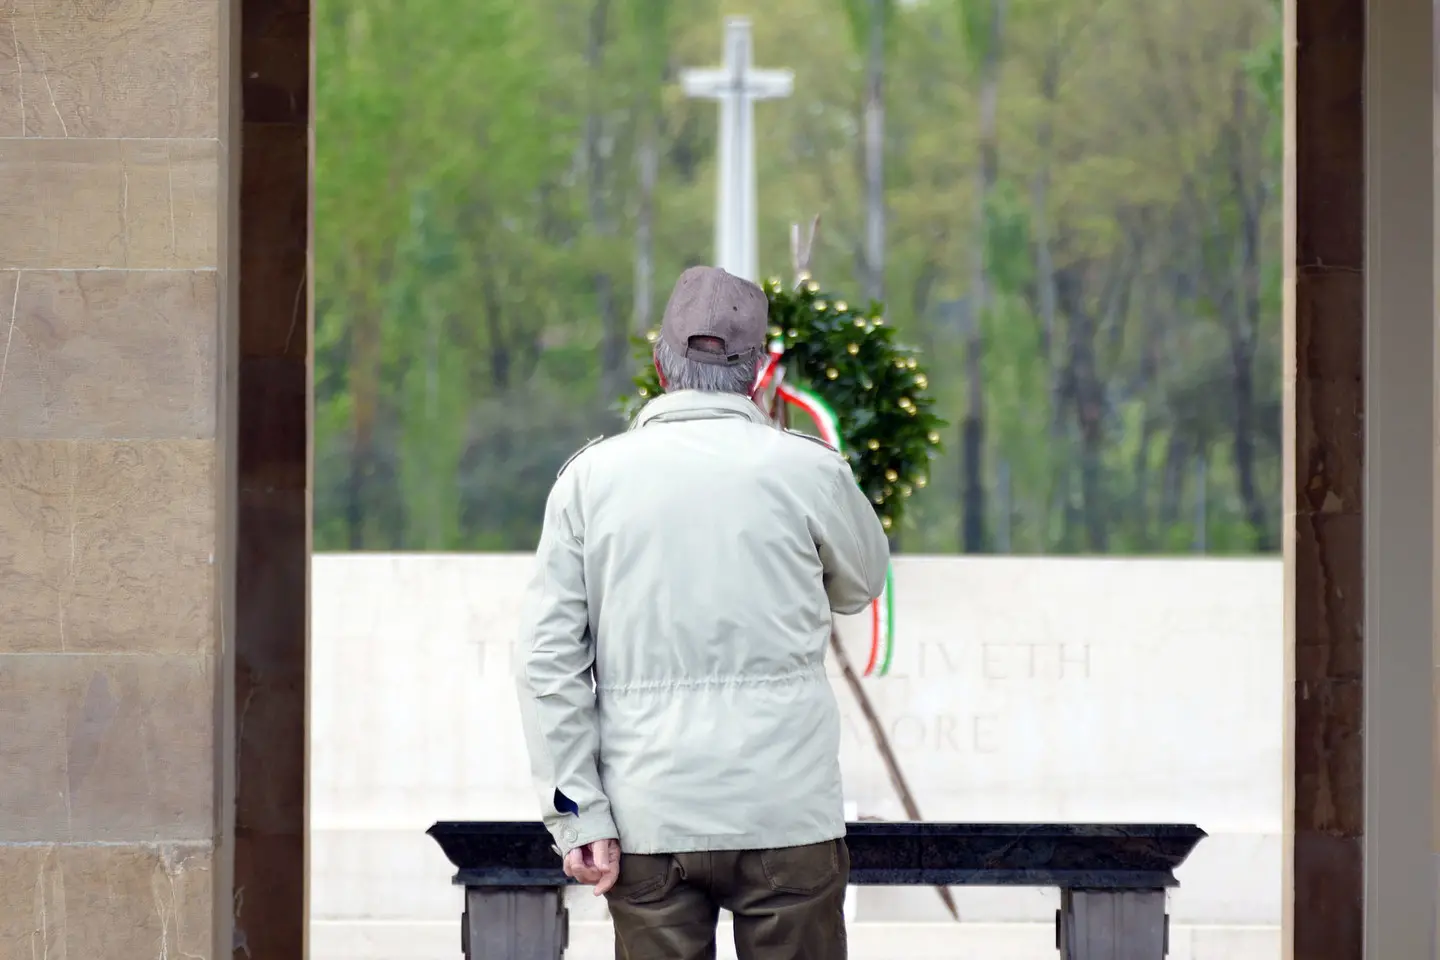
x: 114, y: 176
x: 154, y: 511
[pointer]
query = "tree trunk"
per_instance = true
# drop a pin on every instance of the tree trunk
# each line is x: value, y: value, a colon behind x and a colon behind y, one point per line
x: 1244, y: 332
x: 499, y: 346
x: 875, y: 155
x: 1177, y: 455
x: 355, y: 487
x: 1090, y: 411
x: 1088, y: 399
x: 1140, y: 506
x: 648, y: 164
x: 613, y: 337
x: 1044, y: 257
x: 364, y: 379
x: 1151, y: 422
x: 1046, y: 300
x: 1201, y: 541
x: 653, y: 70
x: 972, y: 427
x: 920, y: 296
x: 1255, y: 514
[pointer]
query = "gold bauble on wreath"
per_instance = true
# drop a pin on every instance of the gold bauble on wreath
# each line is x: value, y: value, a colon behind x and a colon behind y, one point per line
x: 849, y: 359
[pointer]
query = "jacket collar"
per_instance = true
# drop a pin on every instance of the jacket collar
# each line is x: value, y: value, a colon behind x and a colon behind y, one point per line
x: 699, y: 405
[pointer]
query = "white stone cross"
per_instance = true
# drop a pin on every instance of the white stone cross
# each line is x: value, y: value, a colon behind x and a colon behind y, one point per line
x: 737, y: 85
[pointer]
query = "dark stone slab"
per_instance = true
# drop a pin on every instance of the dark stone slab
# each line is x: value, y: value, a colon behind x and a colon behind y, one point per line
x: 1075, y: 856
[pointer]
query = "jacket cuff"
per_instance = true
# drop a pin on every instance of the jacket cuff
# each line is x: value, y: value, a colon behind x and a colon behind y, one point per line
x: 571, y: 830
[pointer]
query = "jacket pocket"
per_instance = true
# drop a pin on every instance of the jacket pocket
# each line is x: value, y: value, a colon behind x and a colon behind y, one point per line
x: 645, y: 878
x: 802, y: 870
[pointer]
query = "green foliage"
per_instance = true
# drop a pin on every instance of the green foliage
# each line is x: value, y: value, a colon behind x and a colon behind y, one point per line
x: 849, y: 358
x: 860, y: 14
x: 481, y: 224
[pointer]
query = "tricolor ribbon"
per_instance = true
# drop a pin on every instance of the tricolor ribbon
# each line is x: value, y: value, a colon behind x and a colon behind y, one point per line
x: 882, y: 608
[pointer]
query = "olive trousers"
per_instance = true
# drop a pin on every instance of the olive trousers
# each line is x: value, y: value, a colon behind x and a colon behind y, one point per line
x: 787, y: 903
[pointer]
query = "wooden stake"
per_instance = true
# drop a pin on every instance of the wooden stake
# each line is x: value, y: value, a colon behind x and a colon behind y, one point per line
x: 882, y: 744
x: 800, y: 252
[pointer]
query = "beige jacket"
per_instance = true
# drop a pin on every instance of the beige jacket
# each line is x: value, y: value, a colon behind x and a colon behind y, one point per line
x: 671, y: 659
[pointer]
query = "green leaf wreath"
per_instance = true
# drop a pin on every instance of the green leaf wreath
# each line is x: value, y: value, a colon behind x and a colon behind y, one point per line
x: 875, y: 386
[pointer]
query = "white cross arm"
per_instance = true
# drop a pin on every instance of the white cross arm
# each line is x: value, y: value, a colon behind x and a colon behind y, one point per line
x: 717, y: 83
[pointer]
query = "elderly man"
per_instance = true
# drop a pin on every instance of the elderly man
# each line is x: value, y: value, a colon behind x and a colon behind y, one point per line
x: 683, y: 736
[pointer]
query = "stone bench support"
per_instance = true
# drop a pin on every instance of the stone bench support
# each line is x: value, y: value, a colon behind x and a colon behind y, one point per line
x: 514, y: 923
x: 1112, y: 878
x: 1112, y: 925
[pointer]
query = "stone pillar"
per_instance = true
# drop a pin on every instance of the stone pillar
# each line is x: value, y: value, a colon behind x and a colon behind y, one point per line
x: 115, y: 395
x: 273, y: 535
x: 1360, y: 480
x: 1399, y: 480
x: 1325, y: 443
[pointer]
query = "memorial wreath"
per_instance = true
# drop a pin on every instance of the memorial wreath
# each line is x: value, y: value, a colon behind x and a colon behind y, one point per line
x: 866, y: 394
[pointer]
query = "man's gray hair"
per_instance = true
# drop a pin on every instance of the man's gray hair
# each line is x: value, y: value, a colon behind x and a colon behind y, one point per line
x: 681, y: 373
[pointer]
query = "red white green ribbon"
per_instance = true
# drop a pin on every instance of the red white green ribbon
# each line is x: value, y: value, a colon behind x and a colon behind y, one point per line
x: 882, y: 608
x: 771, y: 369
x: 826, y: 422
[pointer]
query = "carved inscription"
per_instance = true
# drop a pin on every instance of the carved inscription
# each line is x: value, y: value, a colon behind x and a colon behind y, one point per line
x: 1004, y: 661
x: 988, y: 666
x: 947, y: 733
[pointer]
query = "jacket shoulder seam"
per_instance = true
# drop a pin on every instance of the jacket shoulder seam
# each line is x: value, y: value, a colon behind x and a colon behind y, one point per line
x: 571, y: 459
x: 812, y: 439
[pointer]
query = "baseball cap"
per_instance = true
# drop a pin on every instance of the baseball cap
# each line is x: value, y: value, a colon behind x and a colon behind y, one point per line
x: 708, y: 302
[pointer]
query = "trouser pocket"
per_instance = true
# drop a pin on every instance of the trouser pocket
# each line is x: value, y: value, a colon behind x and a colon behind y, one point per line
x: 804, y: 870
